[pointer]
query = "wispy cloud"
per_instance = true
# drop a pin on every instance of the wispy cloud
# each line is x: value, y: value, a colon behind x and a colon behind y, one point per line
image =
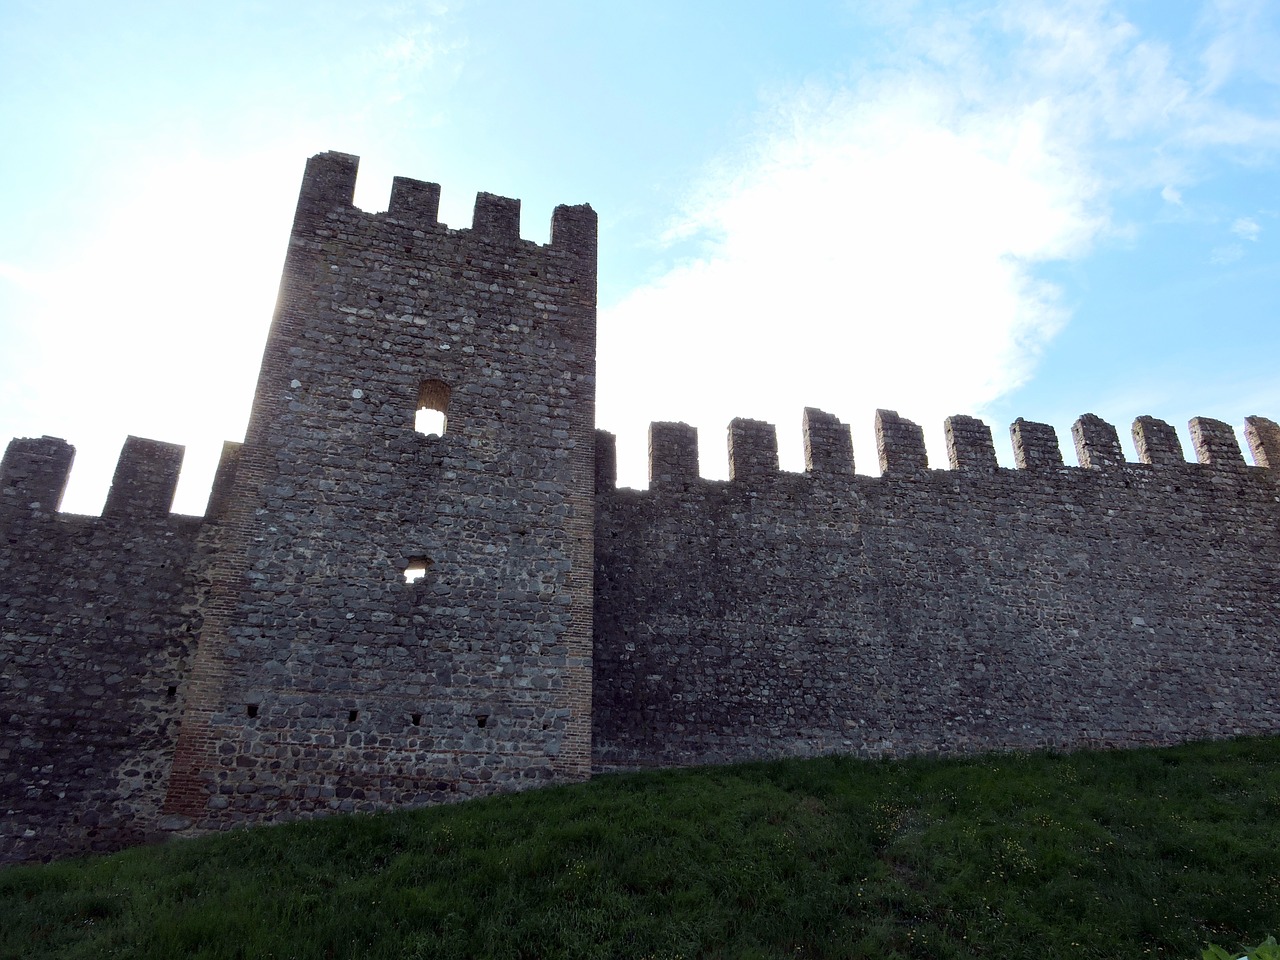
x: 1246, y: 228
x: 1244, y: 35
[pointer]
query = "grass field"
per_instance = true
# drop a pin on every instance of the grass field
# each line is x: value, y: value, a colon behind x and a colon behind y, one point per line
x: 1152, y: 853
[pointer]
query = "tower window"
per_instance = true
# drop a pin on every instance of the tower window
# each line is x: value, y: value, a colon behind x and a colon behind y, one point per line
x: 417, y: 568
x: 433, y: 407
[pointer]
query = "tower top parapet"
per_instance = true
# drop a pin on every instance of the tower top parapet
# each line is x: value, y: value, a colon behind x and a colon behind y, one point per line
x: 330, y: 182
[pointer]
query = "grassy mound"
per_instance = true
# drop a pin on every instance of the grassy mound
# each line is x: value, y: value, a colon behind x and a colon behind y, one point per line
x: 1150, y: 853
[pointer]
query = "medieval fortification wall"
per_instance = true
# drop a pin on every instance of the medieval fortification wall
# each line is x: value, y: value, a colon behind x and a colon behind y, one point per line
x: 373, y: 615
x: 976, y: 608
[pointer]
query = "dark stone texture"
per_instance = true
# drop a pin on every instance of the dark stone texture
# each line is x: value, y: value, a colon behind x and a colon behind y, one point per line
x: 828, y: 445
x: 1263, y: 437
x: 1035, y: 445
x: 753, y: 449
x: 969, y: 445
x: 98, y: 616
x: 1157, y: 442
x: 1214, y: 442
x: 673, y: 454
x: 1097, y: 443
x: 900, y: 444
x: 416, y: 202
x: 940, y: 612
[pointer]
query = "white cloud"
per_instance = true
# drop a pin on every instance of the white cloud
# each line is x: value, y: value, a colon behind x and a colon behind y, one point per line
x: 875, y: 250
x: 1246, y: 228
x: 877, y: 246
x: 874, y: 255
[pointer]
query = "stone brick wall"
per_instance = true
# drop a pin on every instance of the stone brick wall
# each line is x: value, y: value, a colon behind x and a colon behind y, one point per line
x: 323, y: 680
x: 975, y: 608
x: 97, y: 620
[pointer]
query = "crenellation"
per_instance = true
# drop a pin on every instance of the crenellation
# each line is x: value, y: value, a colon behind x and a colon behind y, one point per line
x: 1215, y: 443
x: 732, y: 626
x: 753, y: 449
x: 606, y: 461
x: 496, y: 218
x: 415, y: 202
x: 416, y: 580
x: 329, y: 182
x: 828, y: 445
x: 673, y: 454
x: 1035, y: 445
x: 1263, y: 437
x: 34, y: 474
x: 573, y: 230
x: 145, y: 480
x: 1157, y: 443
x: 969, y: 445
x: 1097, y: 443
x: 900, y: 444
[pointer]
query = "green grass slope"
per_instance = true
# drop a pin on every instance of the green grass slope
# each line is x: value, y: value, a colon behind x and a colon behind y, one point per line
x: 1150, y: 853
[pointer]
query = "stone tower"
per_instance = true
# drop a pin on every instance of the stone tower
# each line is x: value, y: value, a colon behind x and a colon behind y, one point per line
x: 400, y: 604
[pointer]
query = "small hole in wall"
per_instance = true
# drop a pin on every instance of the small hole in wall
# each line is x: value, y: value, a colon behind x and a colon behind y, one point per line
x: 481, y: 719
x: 251, y: 710
x: 430, y: 423
x: 417, y: 569
x: 416, y: 718
x: 171, y: 692
x: 432, y: 418
x: 352, y: 716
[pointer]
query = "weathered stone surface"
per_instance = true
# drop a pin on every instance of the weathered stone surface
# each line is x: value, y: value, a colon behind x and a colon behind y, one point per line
x: 938, y: 612
x: 1157, y: 442
x: 1035, y: 445
x: 97, y: 620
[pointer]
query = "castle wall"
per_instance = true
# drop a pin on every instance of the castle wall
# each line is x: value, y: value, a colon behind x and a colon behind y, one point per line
x: 97, y: 619
x: 373, y: 615
x: 975, y: 608
x: 323, y: 680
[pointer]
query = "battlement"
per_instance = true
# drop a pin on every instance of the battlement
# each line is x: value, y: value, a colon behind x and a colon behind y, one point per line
x: 34, y: 474
x: 330, y: 183
x: 753, y: 448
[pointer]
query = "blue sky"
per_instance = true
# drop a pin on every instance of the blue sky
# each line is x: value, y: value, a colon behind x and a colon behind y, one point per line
x: 1004, y: 209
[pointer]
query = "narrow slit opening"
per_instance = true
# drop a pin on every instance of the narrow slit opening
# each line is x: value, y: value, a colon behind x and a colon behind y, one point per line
x: 432, y: 418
